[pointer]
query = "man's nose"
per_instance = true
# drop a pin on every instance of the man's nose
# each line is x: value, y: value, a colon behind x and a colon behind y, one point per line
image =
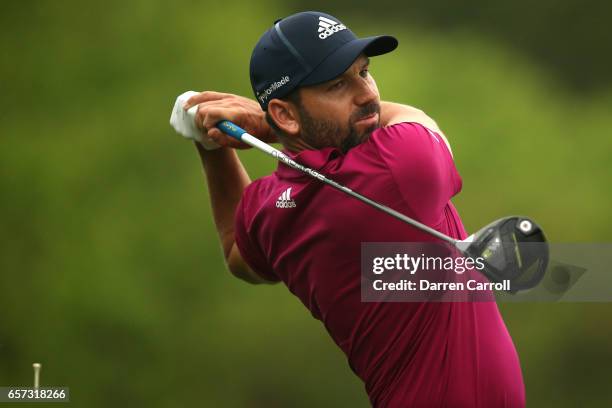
x: 366, y: 93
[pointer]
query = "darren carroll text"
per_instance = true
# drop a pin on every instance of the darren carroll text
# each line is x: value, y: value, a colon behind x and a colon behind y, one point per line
x: 424, y: 284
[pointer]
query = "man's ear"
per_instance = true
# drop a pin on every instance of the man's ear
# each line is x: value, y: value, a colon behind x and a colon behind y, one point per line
x: 285, y: 116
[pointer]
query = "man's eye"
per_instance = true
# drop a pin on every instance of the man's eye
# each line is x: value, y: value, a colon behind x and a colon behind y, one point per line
x: 364, y: 73
x: 337, y: 85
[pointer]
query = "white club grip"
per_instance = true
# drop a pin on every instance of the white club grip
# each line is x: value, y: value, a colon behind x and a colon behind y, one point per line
x: 184, y: 122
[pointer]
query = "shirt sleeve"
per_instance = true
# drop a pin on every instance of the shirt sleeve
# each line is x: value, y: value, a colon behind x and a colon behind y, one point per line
x: 422, y: 167
x: 249, y: 250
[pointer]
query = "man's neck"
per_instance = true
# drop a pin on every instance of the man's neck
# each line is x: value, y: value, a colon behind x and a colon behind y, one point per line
x: 296, y: 144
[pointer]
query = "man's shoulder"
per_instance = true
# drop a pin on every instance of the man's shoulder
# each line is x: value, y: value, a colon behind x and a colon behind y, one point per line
x: 411, y: 148
x: 402, y: 133
x: 411, y: 114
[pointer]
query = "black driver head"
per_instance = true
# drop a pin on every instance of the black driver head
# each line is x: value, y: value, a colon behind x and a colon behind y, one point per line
x: 513, y: 248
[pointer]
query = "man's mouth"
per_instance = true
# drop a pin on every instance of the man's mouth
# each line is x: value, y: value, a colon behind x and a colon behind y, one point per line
x: 370, y: 119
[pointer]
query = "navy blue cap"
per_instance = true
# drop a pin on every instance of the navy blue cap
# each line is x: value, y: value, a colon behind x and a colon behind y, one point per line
x: 307, y: 48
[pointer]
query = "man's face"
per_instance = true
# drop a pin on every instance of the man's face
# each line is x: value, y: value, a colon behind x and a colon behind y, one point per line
x: 342, y: 112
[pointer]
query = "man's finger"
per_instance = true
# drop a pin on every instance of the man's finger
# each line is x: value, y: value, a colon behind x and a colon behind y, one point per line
x: 211, y: 115
x: 224, y: 140
x: 215, y: 134
x: 218, y: 110
x: 206, y: 96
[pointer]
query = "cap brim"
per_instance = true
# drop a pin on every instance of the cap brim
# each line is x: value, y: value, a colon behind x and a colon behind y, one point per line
x: 341, y: 59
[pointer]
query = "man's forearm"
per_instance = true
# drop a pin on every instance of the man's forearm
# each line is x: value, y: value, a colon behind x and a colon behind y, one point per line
x: 226, y: 179
x: 391, y: 112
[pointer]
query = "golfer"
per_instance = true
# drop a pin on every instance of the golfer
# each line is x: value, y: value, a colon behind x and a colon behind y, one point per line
x: 316, y: 96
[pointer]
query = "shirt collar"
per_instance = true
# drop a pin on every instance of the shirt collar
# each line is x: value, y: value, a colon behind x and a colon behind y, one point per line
x: 314, y: 159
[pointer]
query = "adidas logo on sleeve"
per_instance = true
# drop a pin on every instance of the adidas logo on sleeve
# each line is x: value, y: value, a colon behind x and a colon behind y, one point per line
x: 328, y: 27
x: 284, y: 200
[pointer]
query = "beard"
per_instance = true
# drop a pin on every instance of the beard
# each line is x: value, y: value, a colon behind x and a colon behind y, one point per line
x: 321, y: 133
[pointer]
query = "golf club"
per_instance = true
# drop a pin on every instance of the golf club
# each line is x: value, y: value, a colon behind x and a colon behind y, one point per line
x: 513, y: 248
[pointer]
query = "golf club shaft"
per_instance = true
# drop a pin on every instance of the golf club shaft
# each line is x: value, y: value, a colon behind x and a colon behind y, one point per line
x: 236, y: 132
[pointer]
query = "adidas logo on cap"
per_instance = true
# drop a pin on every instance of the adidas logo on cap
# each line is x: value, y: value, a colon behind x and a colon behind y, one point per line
x: 284, y: 200
x: 327, y: 27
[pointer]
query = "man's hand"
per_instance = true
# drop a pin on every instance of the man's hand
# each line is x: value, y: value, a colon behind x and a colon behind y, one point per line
x: 216, y: 106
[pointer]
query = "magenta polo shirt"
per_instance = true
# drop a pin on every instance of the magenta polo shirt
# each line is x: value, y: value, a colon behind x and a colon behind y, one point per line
x: 295, y: 229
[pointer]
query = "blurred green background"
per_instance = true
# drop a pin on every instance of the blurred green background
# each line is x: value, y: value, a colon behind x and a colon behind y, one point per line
x: 111, y: 275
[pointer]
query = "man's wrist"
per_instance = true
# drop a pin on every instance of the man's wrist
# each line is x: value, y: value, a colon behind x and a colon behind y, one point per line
x: 212, y: 155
